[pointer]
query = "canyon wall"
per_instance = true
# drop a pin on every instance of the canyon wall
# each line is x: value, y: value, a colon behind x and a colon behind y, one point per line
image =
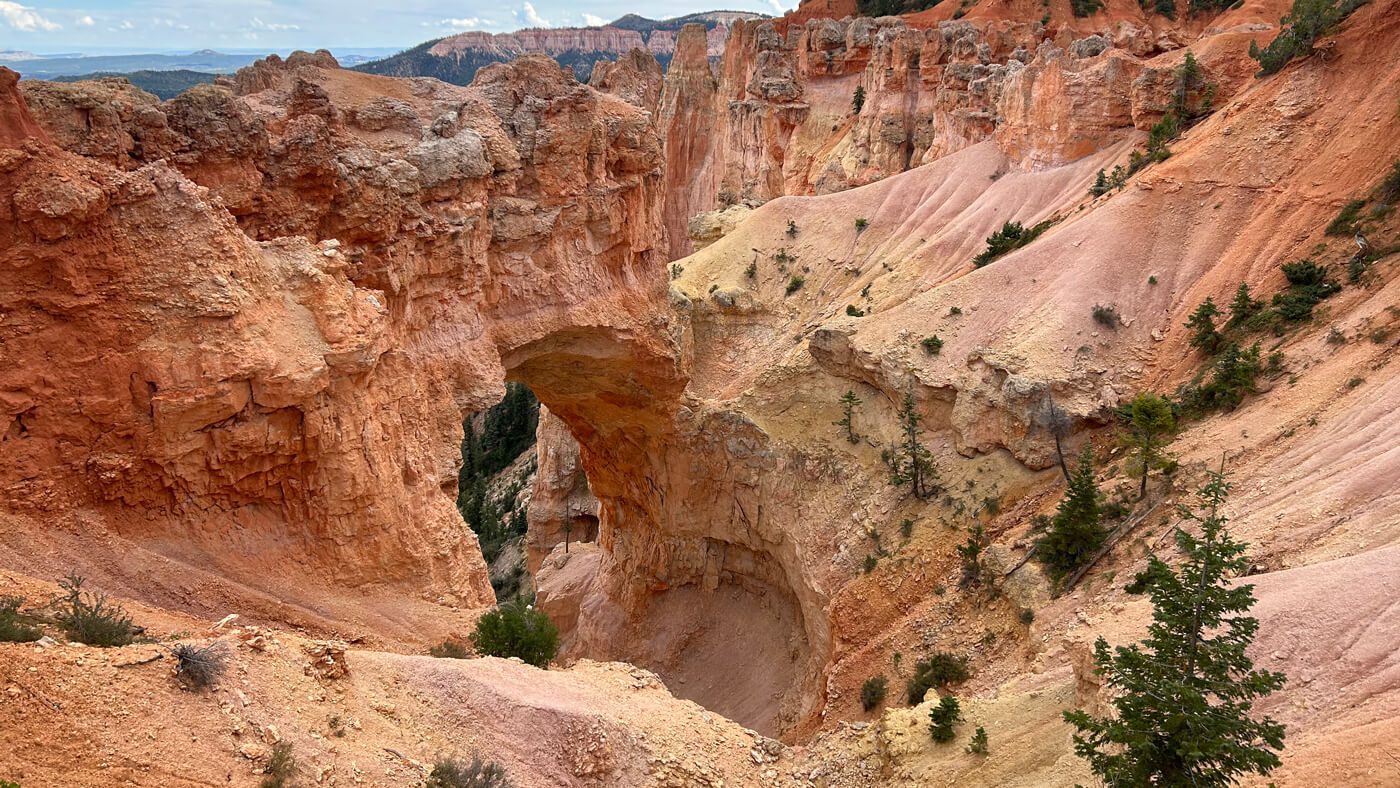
x: 242, y: 330
x: 777, y: 116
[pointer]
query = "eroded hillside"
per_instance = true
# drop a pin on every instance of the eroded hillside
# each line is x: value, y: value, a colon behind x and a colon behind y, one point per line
x: 245, y: 325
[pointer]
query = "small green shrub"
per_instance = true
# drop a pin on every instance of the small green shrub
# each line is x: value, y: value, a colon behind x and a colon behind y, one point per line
x: 1345, y: 223
x: 861, y: 224
x: 1388, y: 192
x: 940, y: 669
x: 853, y: 311
x: 977, y: 745
x: 943, y: 717
x: 858, y: 100
x: 89, y: 618
x: 1106, y: 315
x: 906, y: 528
x: 676, y: 271
x: 795, y: 283
x: 870, y: 563
x: 449, y: 649
x: 792, y: 229
x: 954, y: 311
x: 1084, y: 8
x: 1308, y: 284
x: 280, y: 768
x: 1010, y: 237
x: 872, y: 692
x: 1027, y: 616
x: 476, y: 773
x: 1231, y: 378
x: 517, y: 630
x: 932, y: 345
x: 751, y: 271
x: 14, y: 627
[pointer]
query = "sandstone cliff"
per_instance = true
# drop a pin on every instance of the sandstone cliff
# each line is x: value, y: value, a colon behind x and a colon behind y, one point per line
x: 277, y: 291
x: 777, y: 117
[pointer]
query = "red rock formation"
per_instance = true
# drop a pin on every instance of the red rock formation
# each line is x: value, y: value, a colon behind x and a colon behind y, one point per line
x: 777, y: 119
x: 16, y: 123
x: 228, y: 406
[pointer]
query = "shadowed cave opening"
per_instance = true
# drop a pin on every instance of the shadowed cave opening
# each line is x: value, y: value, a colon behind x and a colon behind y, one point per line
x: 645, y: 578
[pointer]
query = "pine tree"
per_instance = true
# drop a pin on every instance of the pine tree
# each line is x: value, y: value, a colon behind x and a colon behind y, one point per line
x: 849, y: 401
x: 1101, y: 184
x: 977, y: 745
x: 858, y: 100
x: 1184, y: 695
x: 1243, y: 307
x: 1147, y: 421
x: 971, y: 554
x: 910, y: 462
x: 1075, y: 532
x: 943, y: 717
x: 1202, y: 323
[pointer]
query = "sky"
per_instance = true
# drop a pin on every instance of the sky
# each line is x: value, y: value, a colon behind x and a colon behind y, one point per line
x: 56, y: 26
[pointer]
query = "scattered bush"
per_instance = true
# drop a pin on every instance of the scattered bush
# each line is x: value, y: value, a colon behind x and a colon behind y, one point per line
x: 89, y: 618
x: 477, y: 773
x: 954, y: 311
x: 1106, y: 315
x: 906, y: 528
x: 280, y: 768
x: 1309, y: 284
x: 1354, y: 382
x: 931, y: 345
x: 1166, y: 8
x: 676, y: 271
x: 517, y: 630
x: 1085, y: 7
x: 1388, y: 192
x: 1152, y: 279
x: 940, y: 669
x: 795, y: 283
x: 1010, y: 237
x: 14, y: 627
x: 853, y: 311
x: 751, y: 271
x: 1231, y: 378
x: 870, y: 563
x: 943, y: 717
x: 858, y: 100
x: 977, y: 745
x: 872, y: 692
x: 1336, y: 337
x: 198, y: 667
x: 449, y: 649
x: 1308, y: 21
x: 1345, y: 223
x: 792, y: 229
x: 861, y: 224
x: 1027, y: 616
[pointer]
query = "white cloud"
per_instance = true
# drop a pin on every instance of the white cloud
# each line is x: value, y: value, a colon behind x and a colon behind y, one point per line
x: 126, y: 25
x: 777, y: 7
x: 594, y: 21
x: 23, y: 18
x: 86, y: 21
x: 467, y: 23
x: 272, y: 27
x: 530, y: 16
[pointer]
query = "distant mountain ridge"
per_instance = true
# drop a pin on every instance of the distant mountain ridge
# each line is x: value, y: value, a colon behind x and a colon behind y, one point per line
x: 458, y: 57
